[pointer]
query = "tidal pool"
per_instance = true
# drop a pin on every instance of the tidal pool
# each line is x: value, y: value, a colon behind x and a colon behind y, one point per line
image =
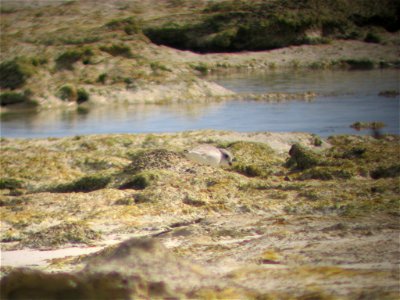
x: 344, y: 97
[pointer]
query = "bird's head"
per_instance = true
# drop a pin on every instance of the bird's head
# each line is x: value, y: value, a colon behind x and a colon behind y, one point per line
x: 227, y: 158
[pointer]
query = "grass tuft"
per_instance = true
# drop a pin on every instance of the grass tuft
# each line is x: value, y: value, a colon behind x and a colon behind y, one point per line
x: 367, y: 125
x: 372, y: 37
x: 10, y: 183
x: 118, y: 50
x: 14, y: 73
x: 359, y: 64
x: 386, y: 172
x: 139, y: 181
x: 129, y: 25
x: 302, y: 158
x: 10, y: 98
x: 326, y: 173
x: 67, y: 92
x: 82, y: 95
x: 67, y: 59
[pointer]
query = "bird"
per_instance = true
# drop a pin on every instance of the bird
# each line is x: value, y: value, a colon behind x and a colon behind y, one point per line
x: 210, y: 155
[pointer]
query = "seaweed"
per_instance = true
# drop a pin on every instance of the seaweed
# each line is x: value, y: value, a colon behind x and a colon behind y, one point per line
x: 11, y: 183
x: 386, y: 172
x: 75, y: 233
x: 14, y: 73
x: 302, y: 158
x: 254, y: 159
x: 85, y: 184
x: 139, y: 181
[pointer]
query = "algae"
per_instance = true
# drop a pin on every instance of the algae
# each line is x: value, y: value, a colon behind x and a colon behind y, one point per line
x: 10, y: 183
x: 66, y: 233
x: 224, y: 218
x: 384, y: 172
x: 85, y: 184
x: 301, y: 158
x: 139, y: 182
x: 254, y: 159
x: 15, y: 72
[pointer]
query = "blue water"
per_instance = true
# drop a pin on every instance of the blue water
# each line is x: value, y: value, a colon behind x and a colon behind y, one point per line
x: 344, y: 98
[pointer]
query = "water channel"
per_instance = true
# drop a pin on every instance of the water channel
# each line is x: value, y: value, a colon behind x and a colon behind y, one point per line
x: 344, y: 97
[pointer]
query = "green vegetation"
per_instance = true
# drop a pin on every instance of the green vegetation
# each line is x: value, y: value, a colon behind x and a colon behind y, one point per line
x: 68, y: 38
x: 152, y: 159
x: 359, y: 64
x: 254, y: 159
x: 10, y: 183
x: 73, y: 40
x: 67, y: 92
x: 9, y: 98
x: 139, y: 181
x: 144, y: 198
x: 138, y: 186
x: 8, y: 10
x: 85, y: 184
x: 14, y: 73
x: 32, y: 54
x: 389, y: 93
x: 201, y: 67
x: 67, y: 59
x: 363, y: 154
x: 125, y: 201
x: 157, y: 66
x: 386, y: 172
x: 368, y: 125
x: 118, y: 50
x: 70, y: 93
x: 317, y: 141
x: 239, y: 25
x: 326, y: 173
x: 102, y: 78
x: 346, y: 159
x: 129, y: 25
x: 74, y: 233
x: 82, y: 95
x: 372, y: 37
x: 302, y: 158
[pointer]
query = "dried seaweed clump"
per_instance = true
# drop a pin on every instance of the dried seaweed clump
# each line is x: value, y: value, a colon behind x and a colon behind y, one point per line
x: 139, y: 181
x: 66, y: 233
x: 254, y: 159
x: 302, y: 158
x: 155, y: 159
x: 326, y: 173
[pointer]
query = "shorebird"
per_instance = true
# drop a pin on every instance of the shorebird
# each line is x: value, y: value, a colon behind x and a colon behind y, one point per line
x: 210, y: 155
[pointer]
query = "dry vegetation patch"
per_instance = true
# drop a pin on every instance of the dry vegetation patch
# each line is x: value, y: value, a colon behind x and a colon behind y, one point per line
x: 276, y: 217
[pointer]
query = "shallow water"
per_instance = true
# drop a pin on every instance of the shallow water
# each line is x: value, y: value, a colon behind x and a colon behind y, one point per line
x: 344, y: 98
